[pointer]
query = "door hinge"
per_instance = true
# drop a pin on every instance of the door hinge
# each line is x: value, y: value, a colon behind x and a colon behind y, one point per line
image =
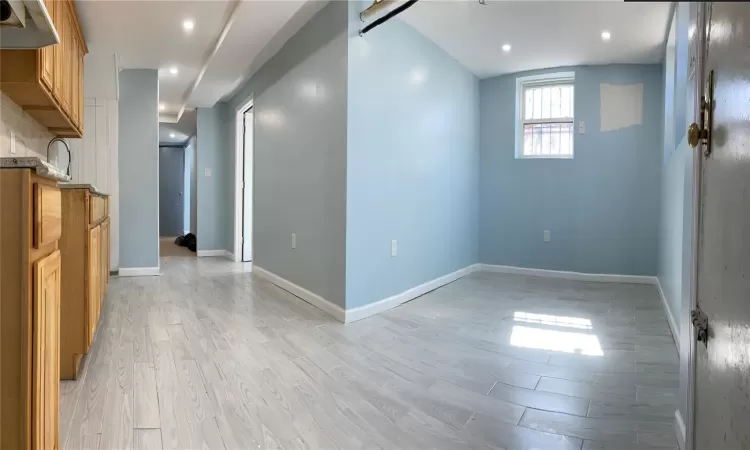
x: 700, y: 322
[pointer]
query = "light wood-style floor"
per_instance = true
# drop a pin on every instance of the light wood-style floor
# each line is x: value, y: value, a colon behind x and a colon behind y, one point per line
x: 167, y: 247
x: 208, y: 356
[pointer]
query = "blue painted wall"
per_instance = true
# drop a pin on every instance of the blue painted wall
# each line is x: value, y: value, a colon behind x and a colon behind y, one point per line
x: 677, y: 157
x: 602, y: 207
x: 412, y: 162
x: 676, y: 215
x: 300, y: 156
x: 215, y: 205
x: 138, y: 165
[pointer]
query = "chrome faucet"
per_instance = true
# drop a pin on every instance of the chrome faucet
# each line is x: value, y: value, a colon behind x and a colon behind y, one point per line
x: 67, y: 147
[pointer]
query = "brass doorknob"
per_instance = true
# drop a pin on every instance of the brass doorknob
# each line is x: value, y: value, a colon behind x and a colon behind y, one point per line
x: 694, y: 134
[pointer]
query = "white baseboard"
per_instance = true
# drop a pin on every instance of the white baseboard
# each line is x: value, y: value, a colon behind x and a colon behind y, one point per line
x: 679, y: 428
x: 577, y: 276
x: 385, y: 304
x: 670, y: 318
x: 138, y: 271
x: 312, y: 298
x: 224, y: 253
x: 354, y: 314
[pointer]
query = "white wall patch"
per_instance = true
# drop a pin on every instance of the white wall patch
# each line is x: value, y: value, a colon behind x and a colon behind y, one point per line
x: 621, y: 106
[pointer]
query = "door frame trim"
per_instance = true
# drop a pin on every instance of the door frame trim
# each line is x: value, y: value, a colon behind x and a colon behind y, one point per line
x: 239, y: 161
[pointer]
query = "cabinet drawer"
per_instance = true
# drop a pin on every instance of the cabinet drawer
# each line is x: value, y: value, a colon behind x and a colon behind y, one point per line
x: 97, y: 208
x: 47, y: 215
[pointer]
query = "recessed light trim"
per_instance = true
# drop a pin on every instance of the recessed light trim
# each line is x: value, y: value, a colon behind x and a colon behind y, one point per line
x: 162, y: 107
x: 174, y: 70
x: 506, y: 47
x: 172, y: 135
x: 188, y: 25
x: 606, y: 35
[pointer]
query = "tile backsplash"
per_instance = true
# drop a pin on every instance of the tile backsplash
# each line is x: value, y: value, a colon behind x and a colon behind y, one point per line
x: 31, y: 137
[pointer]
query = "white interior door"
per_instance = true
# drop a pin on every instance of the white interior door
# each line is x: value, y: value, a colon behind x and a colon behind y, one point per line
x: 722, y: 378
x: 247, y: 186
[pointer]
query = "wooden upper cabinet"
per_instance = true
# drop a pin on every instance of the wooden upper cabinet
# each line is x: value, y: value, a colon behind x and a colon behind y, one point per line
x: 47, y: 56
x: 48, y: 83
x: 59, y: 19
x: 67, y: 61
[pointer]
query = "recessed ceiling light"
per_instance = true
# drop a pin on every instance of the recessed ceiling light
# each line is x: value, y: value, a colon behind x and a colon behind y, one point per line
x: 173, y: 70
x: 506, y: 47
x: 188, y: 25
x: 606, y: 35
x: 162, y: 107
x: 172, y: 135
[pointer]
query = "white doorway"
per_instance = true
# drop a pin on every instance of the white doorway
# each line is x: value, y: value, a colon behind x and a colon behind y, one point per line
x: 247, y: 197
x: 243, y: 224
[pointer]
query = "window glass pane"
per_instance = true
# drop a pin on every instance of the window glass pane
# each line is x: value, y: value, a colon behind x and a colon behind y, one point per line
x: 548, y: 139
x: 545, y: 102
x: 554, y: 140
x: 527, y: 140
x: 537, y: 104
x: 565, y: 102
x: 555, y: 110
x: 529, y: 108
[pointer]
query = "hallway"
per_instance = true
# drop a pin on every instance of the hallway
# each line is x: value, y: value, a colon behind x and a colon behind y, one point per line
x: 206, y: 356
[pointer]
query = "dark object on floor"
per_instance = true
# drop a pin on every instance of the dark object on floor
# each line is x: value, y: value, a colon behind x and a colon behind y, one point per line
x: 190, y: 242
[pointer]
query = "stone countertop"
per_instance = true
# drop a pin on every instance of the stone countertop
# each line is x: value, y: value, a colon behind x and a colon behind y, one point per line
x: 40, y: 166
x: 90, y: 187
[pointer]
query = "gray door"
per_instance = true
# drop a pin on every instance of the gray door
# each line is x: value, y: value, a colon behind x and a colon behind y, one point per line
x: 722, y: 381
x: 171, y: 184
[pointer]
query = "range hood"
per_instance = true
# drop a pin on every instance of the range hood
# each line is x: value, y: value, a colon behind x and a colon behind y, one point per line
x: 26, y: 24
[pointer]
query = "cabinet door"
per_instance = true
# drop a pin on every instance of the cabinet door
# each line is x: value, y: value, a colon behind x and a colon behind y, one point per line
x: 46, y: 353
x: 60, y: 21
x: 47, y: 54
x: 74, y: 87
x: 102, y: 261
x: 94, y: 273
x: 67, y: 66
x: 79, y: 99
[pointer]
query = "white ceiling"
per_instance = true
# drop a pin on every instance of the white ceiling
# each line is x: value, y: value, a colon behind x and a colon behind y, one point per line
x: 149, y: 34
x: 541, y: 33
x: 181, y: 130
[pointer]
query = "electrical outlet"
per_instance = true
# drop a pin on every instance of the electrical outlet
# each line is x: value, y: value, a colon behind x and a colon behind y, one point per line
x: 581, y: 127
x: 207, y: 172
x: 294, y: 240
x: 12, y: 142
x: 546, y: 236
x: 394, y: 247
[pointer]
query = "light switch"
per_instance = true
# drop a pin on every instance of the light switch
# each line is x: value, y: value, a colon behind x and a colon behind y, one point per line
x: 294, y: 240
x: 207, y: 172
x: 581, y: 127
x: 394, y: 248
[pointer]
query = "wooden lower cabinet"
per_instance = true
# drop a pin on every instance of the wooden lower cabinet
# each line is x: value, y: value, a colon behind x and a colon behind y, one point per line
x: 94, y: 275
x: 84, y: 245
x: 46, y: 366
x: 31, y: 274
